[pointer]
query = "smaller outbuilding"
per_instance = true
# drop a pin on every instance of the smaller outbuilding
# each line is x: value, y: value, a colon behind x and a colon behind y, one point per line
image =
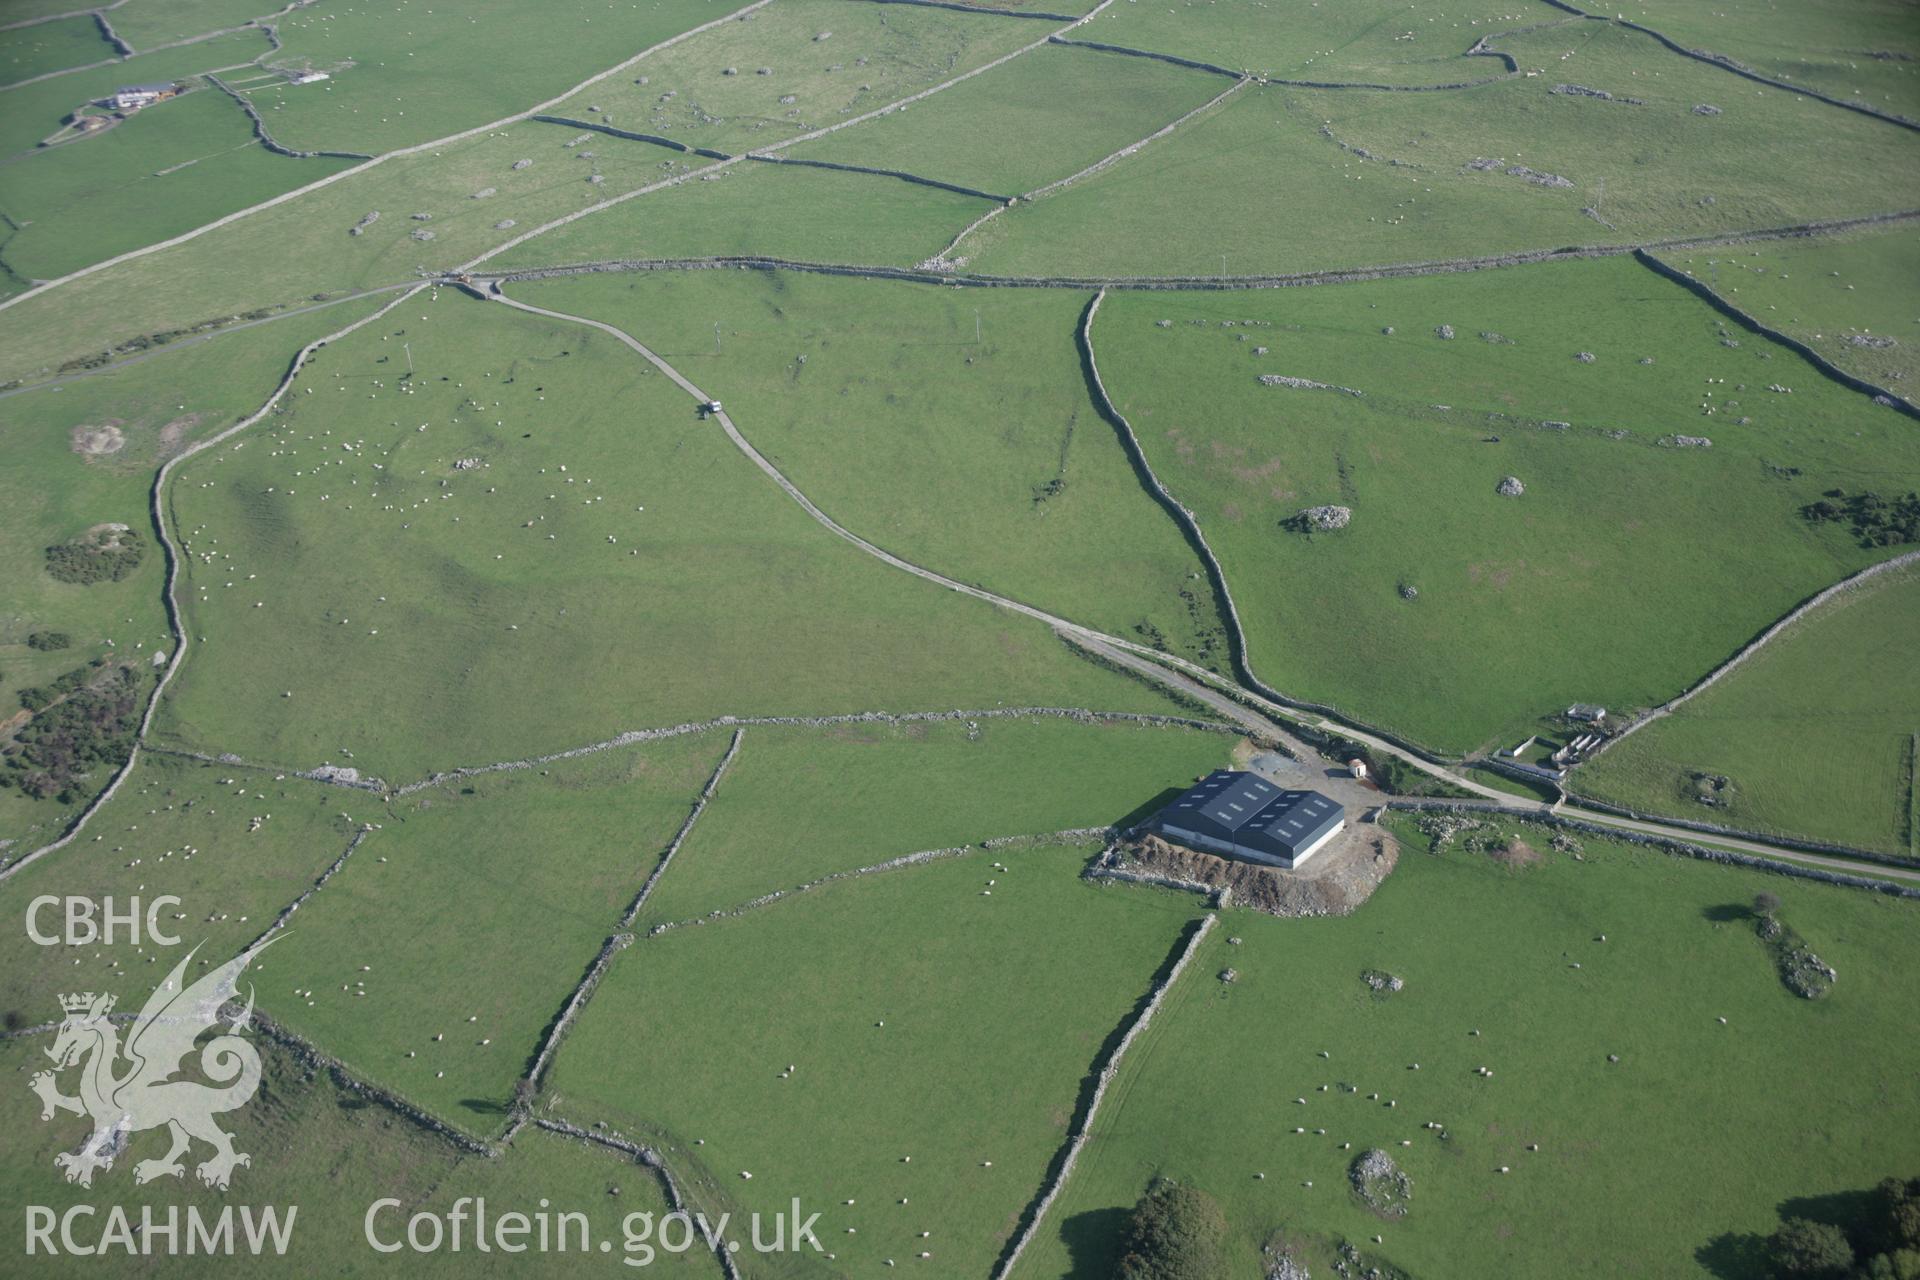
x: 132, y: 97
x: 1586, y: 713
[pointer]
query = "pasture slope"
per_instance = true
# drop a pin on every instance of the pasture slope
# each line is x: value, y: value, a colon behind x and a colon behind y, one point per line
x: 620, y: 567
x: 917, y: 787
x: 1812, y: 737
x: 1504, y: 968
x: 955, y: 430
x: 85, y: 453
x: 1573, y: 591
x: 1844, y: 297
x: 654, y: 806
x: 1375, y: 177
x: 898, y: 1001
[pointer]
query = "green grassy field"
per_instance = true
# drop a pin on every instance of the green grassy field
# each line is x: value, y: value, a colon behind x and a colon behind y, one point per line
x: 777, y: 210
x: 1842, y: 297
x: 474, y: 537
x: 1862, y: 52
x: 661, y: 561
x: 307, y: 245
x: 144, y: 25
x: 1042, y: 116
x: 1648, y: 171
x: 942, y: 1120
x: 1371, y: 42
x: 954, y: 429
x: 56, y: 492
x: 1694, y: 1135
x: 169, y: 169
x: 1627, y: 570
x: 51, y: 46
x: 35, y: 111
x: 710, y: 91
x: 179, y: 827
x: 403, y: 74
x: 519, y: 877
x: 1815, y: 732
x: 53, y: 494
x: 803, y: 803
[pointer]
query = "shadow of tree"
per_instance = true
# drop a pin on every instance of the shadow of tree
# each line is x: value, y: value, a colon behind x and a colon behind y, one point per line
x: 1735, y: 1256
x: 1093, y: 1243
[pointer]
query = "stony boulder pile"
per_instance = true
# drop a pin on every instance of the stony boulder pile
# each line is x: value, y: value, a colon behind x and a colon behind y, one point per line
x: 1444, y: 331
x: 1538, y: 178
x: 1324, y: 519
x: 1301, y: 384
x: 1706, y: 109
x: 1381, y: 981
x: 1510, y: 487
x: 1382, y: 1185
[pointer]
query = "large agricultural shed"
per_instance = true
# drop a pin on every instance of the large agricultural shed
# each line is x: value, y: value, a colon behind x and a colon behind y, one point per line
x: 1245, y: 816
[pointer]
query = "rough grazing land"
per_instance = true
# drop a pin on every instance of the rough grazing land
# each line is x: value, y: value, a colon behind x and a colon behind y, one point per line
x: 618, y: 566
x: 1578, y: 586
x: 1812, y: 737
x: 1514, y: 955
x: 943, y: 1118
x: 954, y: 429
x: 652, y: 805
x: 781, y: 818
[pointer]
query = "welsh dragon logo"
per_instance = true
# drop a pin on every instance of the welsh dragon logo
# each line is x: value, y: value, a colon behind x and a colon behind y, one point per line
x: 125, y: 1089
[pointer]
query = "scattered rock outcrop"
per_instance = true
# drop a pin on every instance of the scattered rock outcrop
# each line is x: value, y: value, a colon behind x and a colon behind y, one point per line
x: 1301, y: 384
x: 1510, y: 487
x: 1382, y: 1185
x: 1381, y: 982
x: 1323, y: 519
x: 1538, y: 178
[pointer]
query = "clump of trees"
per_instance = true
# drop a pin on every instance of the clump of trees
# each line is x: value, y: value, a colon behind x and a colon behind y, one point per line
x: 1883, y: 1244
x: 1876, y: 521
x: 106, y: 557
x: 1176, y: 1232
x: 86, y: 720
x: 47, y: 641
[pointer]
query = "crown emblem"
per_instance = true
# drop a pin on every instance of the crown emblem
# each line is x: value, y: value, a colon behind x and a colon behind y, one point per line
x: 81, y: 1002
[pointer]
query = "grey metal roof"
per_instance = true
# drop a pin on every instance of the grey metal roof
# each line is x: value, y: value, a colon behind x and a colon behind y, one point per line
x: 1296, y: 818
x: 1225, y: 798
x: 1248, y: 807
